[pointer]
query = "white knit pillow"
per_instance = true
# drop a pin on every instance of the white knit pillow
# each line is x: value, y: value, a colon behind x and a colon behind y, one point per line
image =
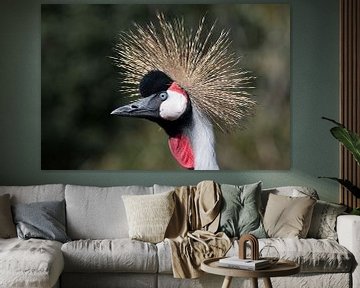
x: 149, y: 215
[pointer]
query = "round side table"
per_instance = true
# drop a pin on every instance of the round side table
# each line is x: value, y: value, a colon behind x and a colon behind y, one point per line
x: 281, y: 268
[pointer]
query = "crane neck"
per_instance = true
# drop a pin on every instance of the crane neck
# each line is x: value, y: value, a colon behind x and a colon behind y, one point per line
x: 193, y: 143
x: 202, y: 140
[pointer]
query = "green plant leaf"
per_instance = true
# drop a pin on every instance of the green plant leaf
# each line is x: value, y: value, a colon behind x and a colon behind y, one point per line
x: 355, y: 211
x: 333, y: 121
x: 349, y: 139
x: 347, y: 184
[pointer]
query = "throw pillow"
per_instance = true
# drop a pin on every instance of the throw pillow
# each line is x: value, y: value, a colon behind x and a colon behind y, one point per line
x: 323, y: 222
x: 7, y: 227
x: 287, y: 217
x: 44, y: 220
x: 293, y: 191
x: 149, y: 215
x: 240, y: 213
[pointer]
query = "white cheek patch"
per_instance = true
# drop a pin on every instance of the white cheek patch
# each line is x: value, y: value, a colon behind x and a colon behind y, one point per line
x: 174, y: 106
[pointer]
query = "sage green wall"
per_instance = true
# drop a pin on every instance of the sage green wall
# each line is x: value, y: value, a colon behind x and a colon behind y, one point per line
x: 314, y: 93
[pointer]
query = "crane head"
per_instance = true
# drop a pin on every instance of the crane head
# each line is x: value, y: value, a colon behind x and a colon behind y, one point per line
x: 166, y: 103
x: 163, y: 101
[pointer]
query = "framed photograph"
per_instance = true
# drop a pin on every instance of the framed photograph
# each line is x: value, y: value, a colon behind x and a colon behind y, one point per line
x: 165, y: 87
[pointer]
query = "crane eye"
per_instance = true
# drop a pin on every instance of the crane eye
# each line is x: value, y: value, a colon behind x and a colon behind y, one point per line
x: 163, y: 96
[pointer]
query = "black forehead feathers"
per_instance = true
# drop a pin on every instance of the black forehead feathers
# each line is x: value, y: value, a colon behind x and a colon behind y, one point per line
x: 153, y: 82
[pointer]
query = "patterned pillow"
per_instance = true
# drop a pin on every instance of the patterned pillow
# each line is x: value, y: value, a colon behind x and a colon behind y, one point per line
x: 149, y: 215
x: 323, y: 222
x: 240, y: 213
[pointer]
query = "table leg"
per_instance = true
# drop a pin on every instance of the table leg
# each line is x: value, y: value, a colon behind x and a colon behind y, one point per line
x: 227, y: 282
x: 267, y: 283
x: 254, y: 282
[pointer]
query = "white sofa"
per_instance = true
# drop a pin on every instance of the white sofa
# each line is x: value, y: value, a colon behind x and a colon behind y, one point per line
x: 101, y: 254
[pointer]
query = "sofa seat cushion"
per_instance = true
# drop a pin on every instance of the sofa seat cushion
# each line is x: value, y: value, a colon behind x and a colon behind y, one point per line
x: 30, y: 263
x: 110, y: 255
x: 313, y: 255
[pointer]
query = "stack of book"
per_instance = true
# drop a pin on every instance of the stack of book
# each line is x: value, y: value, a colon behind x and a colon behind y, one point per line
x: 248, y: 264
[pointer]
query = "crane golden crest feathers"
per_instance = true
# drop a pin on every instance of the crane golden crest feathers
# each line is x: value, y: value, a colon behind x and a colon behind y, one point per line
x: 207, y: 70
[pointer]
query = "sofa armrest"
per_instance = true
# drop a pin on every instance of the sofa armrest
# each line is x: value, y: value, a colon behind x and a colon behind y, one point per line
x: 348, y: 230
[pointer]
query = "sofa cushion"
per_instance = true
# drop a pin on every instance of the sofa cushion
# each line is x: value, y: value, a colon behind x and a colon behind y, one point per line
x: 323, y: 222
x: 149, y: 215
x: 164, y: 257
x: 30, y: 263
x: 287, y: 216
x: 98, y: 213
x: 7, y: 227
x: 109, y: 280
x: 313, y: 255
x: 116, y: 255
x: 43, y: 220
x: 163, y: 188
x: 291, y: 191
x: 37, y: 193
x: 240, y: 210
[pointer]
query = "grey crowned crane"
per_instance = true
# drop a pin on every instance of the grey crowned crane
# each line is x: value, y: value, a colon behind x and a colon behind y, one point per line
x: 187, y: 84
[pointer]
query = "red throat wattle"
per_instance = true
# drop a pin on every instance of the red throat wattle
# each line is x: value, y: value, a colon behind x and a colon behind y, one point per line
x: 181, y: 149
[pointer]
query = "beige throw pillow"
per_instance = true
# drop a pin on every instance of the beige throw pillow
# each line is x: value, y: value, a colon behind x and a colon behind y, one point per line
x: 288, y: 217
x: 148, y: 215
x: 7, y: 226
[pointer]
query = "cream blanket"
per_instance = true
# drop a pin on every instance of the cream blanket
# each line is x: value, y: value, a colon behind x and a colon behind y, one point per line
x: 191, y: 231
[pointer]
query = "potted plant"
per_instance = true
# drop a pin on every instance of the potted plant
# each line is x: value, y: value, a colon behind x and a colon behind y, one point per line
x: 351, y: 141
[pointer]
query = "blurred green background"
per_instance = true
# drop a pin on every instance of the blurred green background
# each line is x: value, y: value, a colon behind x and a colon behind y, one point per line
x: 81, y: 86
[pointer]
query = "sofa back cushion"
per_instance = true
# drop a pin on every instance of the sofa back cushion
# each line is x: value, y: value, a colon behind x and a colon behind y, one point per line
x: 288, y: 217
x: 163, y: 188
x: 98, y: 212
x: 290, y: 191
x: 36, y: 193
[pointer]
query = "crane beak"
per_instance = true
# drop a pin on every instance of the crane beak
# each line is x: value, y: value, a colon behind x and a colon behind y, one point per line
x: 143, y: 108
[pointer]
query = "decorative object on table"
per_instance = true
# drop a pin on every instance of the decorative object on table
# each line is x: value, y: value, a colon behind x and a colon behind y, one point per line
x: 282, y: 268
x: 241, y: 261
x: 254, y: 246
x: 247, y: 264
x: 269, y: 253
x: 351, y: 142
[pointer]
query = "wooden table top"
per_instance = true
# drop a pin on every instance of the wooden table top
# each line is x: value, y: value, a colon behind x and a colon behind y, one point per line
x: 281, y: 268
